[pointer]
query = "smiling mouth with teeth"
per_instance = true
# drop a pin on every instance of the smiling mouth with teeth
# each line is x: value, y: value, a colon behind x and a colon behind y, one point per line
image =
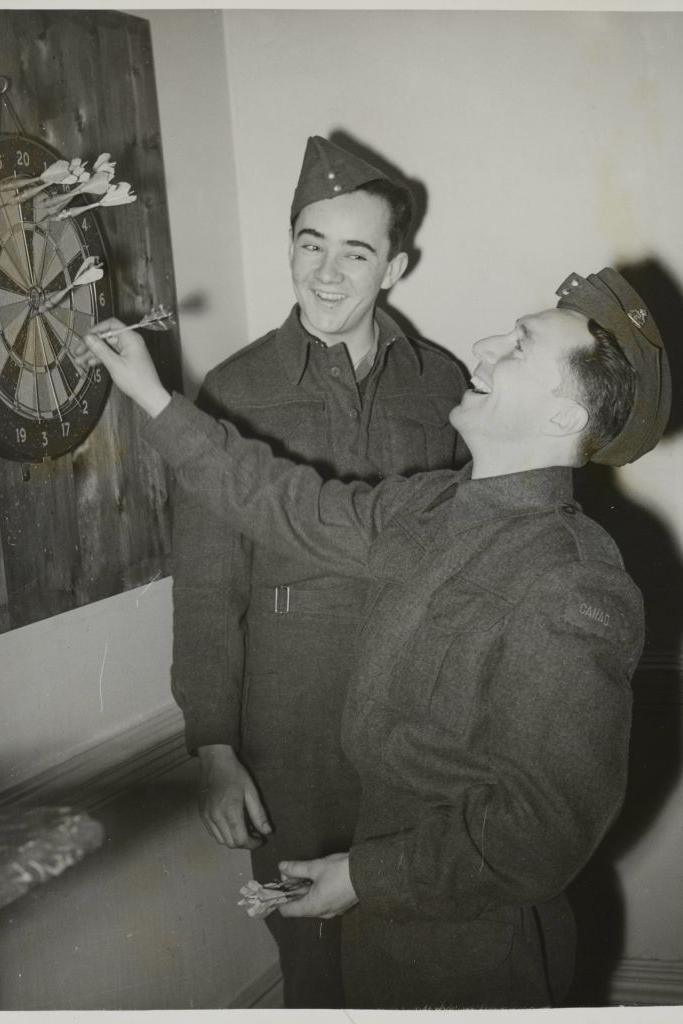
x: 329, y: 296
x: 479, y: 386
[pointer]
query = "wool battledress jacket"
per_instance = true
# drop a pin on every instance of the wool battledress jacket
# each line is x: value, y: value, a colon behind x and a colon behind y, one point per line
x: 488, y: 714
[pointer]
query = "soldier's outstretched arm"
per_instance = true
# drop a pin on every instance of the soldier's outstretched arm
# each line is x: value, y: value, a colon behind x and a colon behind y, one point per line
x: 271, y: 500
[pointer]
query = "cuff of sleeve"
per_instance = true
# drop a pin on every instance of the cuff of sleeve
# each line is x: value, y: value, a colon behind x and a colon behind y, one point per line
x: 209, y: 734
x: 180, y: 431
x: 379, y: 874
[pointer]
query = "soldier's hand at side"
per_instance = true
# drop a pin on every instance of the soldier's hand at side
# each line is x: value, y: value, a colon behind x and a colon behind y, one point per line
x: 229, y: 802
x: 128, y: 362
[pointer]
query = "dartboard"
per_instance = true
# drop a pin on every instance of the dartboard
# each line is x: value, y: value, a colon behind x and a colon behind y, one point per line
x: 48, y: 405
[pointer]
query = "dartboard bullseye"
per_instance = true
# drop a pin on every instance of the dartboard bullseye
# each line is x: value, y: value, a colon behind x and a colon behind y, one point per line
x: 48, y: 405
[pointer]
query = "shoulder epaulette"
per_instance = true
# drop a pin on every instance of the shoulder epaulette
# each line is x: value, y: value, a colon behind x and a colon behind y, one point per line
x: 244, y: 352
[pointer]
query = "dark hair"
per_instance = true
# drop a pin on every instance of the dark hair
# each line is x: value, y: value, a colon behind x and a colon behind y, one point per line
x: 401, y: 209
x: 605, y: 383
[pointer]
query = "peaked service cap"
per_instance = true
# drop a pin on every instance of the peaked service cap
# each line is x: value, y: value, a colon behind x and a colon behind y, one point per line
x: 610, y: 300
x: 329, y: 171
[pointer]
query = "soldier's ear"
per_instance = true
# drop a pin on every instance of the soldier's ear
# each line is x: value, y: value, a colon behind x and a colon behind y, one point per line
x: 396, y: 268
x: 569, y: 418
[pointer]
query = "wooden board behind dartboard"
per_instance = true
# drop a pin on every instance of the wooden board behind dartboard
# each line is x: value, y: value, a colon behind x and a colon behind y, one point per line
x: 95, y: 521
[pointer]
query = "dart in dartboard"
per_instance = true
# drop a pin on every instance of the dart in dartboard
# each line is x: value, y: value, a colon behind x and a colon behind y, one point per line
x: 53, y: 289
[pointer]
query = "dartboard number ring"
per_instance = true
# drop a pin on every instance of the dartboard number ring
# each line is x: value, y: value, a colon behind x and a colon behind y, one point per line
x: 48, y: 404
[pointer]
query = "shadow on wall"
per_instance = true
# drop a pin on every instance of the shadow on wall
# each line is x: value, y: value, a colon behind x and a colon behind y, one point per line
x: 654, y: 561
x: 420, y: 196
x: 416, y: 188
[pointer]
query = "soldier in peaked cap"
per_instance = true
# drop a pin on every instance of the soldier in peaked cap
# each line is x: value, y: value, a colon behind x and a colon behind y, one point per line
x: 263, y: 644
x: 489, y: 709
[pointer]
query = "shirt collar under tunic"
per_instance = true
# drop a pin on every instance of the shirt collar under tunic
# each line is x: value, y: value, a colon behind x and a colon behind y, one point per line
x: 295, y: 345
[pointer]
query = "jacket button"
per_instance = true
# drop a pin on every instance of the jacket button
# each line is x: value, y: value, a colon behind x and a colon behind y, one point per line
x: 353, y: 413
x: 335, y: 371
x: 569, y: 509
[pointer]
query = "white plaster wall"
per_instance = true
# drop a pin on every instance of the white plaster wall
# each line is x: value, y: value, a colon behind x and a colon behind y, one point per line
x: 74, y: 679
x: 544, y: 139
x: 196, y: 131
x: 651, y: 874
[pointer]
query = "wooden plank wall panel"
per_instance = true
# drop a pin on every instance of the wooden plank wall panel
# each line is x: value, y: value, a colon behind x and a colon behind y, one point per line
x: 94, y: 522
x: 40, y: 541
x: 121, y: 513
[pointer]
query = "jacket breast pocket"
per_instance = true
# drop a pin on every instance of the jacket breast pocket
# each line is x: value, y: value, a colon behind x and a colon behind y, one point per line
x: 419, y: 432
x: 443, y: 670
x: 295, y: 428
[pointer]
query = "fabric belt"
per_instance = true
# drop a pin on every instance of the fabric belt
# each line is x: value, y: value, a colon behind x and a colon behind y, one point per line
x: 348, y: 598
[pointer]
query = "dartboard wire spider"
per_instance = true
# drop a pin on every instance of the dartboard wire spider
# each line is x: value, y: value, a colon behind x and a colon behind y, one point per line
x: 10, y: 228
x: 31, y: 280
x: 39, y: 331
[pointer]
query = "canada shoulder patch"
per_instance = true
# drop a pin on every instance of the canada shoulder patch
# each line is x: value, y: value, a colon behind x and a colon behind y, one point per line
x: 592, y: 613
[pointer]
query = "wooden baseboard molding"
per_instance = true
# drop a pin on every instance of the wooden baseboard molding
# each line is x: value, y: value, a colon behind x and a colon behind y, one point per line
x: 265, y: 993
x: 107, y: 769
x: 635, y: 982
x: 643, y: 982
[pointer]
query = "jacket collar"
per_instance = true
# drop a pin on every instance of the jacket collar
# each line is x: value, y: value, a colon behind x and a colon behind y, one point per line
x: 440, y: 534
x: 529, y: 491
x: 294, y: 343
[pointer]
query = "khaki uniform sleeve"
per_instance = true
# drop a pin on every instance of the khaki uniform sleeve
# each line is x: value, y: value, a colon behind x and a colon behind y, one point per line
x: 273, y: 501
x: 211, y: 587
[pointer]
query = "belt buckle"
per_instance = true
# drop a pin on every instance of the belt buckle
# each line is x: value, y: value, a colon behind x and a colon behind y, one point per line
x: 281, y: 599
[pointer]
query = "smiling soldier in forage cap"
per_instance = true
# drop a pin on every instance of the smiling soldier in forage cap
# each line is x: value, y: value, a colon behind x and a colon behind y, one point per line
x: 263, y: 643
